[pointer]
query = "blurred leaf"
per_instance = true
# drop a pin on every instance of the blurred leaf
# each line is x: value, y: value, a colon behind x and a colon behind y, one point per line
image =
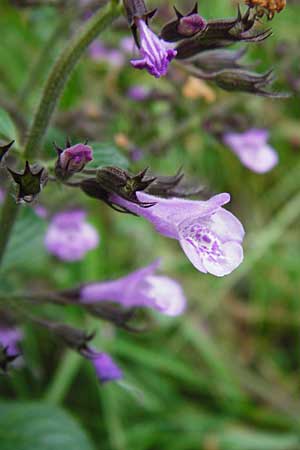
x: 29, y: 426
x: 107, y: 154
x: 7, y: 128
x: 26, y: 243
x: 239, y: 440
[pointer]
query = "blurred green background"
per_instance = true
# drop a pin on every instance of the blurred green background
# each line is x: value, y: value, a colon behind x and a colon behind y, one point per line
x: 225, y: 375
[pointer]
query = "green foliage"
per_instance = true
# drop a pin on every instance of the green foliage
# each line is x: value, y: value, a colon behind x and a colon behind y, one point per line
x: 107, y: 154
x: 8, y: 130
x: 29, y: 426
x: 25, y: 249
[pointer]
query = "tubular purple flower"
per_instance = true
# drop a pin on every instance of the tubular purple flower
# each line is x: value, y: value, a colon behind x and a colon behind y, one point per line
x: 9, y: 339
x: 69, y: 237
x: 106, y: 369
x: 141, y: 288
x: 74, y: 158
x: 252, y: 149
x: 209, y: 235
x: 156, y: 54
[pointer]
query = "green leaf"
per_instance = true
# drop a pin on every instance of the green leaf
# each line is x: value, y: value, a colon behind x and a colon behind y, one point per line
x: 247, y: 440
x: 40, y: 426
x: 8, y: 130
x: 26, y: 244
x: 106, y: 154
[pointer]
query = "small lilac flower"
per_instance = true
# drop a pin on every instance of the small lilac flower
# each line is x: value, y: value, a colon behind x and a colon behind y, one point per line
x: 9, y: 339
x: 69, y: 237
x: 156, y: 54
x: 141, y: 288
x: 106, y: 369
x: 138, y: 93
x: 113, y: 57
x: 74, y: 158
x: 252, y: 149
x: 209, y: 235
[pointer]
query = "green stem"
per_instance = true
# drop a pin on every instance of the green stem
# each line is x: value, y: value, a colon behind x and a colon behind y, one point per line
x: 64, y: 376
x: 7, y: 220
x: 61, y: 72
x: 52, y: 91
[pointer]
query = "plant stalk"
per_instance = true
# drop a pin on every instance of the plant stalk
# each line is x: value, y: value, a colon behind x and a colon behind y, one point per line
x: 55, y: 84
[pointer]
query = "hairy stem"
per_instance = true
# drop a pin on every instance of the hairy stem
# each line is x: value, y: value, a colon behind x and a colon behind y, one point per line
x: 61, y: 72
x: 55, y: 84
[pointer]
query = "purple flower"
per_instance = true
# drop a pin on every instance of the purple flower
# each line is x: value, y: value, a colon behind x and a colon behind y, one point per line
x: 156, y: 54
x: 69, y: 237
x: 138, y: 93
x: 74, y: 158
x: 209, y: 235
x: 141, y: 288
x: 252, y: 149
x: 106, y: 369
x: 99, y: 52
x: 9, y: 339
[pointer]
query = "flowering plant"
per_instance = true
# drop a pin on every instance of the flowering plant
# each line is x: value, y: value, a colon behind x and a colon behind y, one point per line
x: 92, y: 202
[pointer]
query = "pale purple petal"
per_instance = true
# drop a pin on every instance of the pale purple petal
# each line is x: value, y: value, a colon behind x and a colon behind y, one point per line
x: 9, y: 339
x: 166, y: 294
x: 224, y: 224
x: 232, y: 257
x: 142, y: 288
x: 106, y: 369
x: 212, y: 243
x: 69, y: 237
x: 252, y: 149
x: 167, y: 214
x: 209, y: 235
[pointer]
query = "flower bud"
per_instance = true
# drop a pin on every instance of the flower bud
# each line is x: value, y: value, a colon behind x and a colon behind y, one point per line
x: 245, y: 81
x: 185, y: 26
x: 30, y: 182
x: 72, y: 159
x: 222, y: 33
x: 216, y: 60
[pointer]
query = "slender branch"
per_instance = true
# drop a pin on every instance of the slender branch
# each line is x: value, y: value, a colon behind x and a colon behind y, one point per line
x: 7, y: 220
x: 55, y: 84
x: 61, y: 73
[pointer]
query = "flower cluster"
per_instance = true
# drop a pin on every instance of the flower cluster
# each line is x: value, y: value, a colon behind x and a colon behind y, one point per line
x: 192, y: 40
